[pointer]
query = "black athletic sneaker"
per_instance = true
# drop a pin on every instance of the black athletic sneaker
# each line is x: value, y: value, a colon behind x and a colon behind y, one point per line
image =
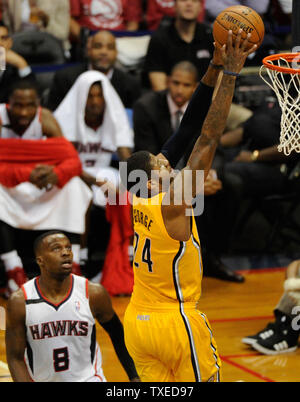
x: 251, y: 339
x: 280, y: 339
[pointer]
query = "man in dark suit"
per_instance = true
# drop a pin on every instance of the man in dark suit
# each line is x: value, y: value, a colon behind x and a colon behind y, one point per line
x: 156, y: 115
x: 102, y: 56
x: 16, y: 66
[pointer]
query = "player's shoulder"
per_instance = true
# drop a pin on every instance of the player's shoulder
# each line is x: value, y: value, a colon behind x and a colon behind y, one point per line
x: 96, y: 290
x: 16, y: 302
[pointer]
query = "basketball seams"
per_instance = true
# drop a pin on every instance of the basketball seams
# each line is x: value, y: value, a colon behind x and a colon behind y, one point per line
x: 234, y: 34
x: 234, y: 12
x: 260, y: 38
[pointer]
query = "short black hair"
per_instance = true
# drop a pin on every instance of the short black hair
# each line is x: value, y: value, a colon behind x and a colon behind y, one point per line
x: 140, y: 160
x: 23, y: 84
x: 188, y: 67
x: 38, y: 241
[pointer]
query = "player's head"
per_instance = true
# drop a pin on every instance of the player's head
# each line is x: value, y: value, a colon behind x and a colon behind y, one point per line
x: 23, y: 104
x: 147, y: 174
x: 188, y: 10
x: 102, y: 51
x: 53, y: 252
x: 95, y: 103
x: 182, y: 82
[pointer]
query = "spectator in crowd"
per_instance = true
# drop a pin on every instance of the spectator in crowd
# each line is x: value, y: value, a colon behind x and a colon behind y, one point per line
x: 94, y: 119
x: 101, y: 56
x: 281, y: 336
x: 214, y: 7
x: 16, y: 66
x: 251, y: 160
x: 43, y: 15
x: 158, y: 9
x: 38, y: 179
x: 183, y: 39
x: 251, y: 153
x: 156, y: 117
x: 115, y: 15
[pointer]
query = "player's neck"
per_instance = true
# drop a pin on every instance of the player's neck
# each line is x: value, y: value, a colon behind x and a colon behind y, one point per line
x: 54, y: 288
x: 186, y: 29
x: 93, y: 122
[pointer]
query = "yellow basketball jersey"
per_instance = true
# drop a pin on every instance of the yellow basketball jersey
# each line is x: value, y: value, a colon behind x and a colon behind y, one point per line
x: 166, y: 271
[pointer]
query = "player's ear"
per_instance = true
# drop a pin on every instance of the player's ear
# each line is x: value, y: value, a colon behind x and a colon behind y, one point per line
x: 153, y: 185
x: 39, y: 260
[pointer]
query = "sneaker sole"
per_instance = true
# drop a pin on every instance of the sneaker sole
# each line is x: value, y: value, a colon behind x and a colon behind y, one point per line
x: 249, y: 341
x: 269, y: 352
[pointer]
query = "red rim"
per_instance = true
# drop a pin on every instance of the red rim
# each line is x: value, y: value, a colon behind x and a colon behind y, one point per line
x: 289, y: 57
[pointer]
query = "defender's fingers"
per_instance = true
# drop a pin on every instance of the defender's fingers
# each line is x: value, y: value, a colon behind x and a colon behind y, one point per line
x: 252, y: 50
x: 229, y: 40
x: 245, y: 43
x: 237, y: 42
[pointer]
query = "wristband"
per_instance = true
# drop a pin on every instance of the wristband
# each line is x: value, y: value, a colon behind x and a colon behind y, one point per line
x: 216, y: 66
x: 231, y: 73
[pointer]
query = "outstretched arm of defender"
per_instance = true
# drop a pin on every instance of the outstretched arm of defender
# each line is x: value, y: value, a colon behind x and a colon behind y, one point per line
x: 102, y: 310
x: 234, y: 57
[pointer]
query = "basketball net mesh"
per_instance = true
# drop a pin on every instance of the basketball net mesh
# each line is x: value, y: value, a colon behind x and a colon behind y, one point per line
x: 287, y: 89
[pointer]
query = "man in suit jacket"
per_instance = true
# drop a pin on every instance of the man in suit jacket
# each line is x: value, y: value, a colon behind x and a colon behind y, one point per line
x: 156, y: 115
x: 102, y: 55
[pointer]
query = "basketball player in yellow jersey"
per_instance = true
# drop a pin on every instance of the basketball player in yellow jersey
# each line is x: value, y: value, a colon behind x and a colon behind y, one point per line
x: 167, y: 337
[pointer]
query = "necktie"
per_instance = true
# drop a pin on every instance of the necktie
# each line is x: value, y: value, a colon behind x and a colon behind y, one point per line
x: 178, y: 116
x: 180, y: 165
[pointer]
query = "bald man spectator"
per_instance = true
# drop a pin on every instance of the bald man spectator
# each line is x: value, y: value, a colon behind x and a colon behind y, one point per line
x: 101, y: 56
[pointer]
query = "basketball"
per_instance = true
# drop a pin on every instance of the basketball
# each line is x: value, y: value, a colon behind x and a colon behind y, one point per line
x: 236, y: 18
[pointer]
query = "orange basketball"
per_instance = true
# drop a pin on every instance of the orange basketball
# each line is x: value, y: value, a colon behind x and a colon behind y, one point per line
x: 236, y: 18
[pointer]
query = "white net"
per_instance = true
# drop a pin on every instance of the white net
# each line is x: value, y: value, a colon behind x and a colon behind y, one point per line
x: 287, y: 89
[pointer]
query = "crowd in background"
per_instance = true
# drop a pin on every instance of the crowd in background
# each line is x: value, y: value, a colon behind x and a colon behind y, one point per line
x: 148, y: 56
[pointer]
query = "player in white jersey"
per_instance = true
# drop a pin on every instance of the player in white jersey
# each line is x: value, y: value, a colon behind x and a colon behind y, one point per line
x: 40, y: 204
x: 51, y: 321
x: 94, y: 119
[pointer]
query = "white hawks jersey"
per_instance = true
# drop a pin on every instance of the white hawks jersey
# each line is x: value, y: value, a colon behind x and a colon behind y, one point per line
x: 33, y: 132
x: 61, y: 338
x: 91, y: 152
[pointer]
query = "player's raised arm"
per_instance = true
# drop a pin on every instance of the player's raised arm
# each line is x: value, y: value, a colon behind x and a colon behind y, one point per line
x: 15, y: 337
x: 102, y: 310
x: 192, y: 121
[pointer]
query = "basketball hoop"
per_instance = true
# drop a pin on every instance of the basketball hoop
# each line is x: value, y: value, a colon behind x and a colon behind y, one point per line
x: 283, y: 76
